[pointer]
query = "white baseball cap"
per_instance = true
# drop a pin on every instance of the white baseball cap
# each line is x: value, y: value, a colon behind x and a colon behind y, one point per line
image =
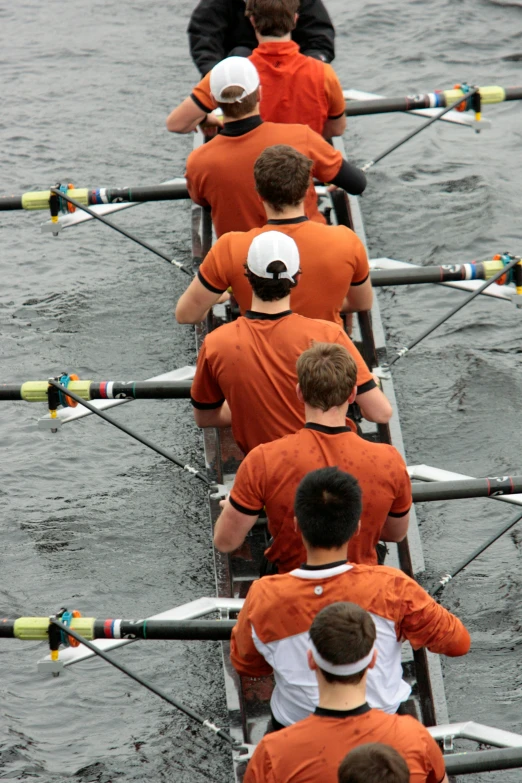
x: 273, y: 246
x: 233, y: 72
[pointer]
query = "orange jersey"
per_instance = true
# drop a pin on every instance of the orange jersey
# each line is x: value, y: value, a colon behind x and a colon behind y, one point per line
x: 331, y: 258
x: 271, y: 633
x: 270, y: 474
x: 220, y: 173
x: 294, y: 88
x: 311, y: 750
x: 251, y: 363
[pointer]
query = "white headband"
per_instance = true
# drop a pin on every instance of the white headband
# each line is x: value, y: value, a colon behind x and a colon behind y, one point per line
x: 342, y: 669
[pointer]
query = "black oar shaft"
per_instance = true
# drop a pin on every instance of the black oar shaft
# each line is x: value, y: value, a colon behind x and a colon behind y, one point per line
x: 127, y: 430
x: 426, y: 274
x: 121, y: 231
x: 425, y: 101
x: 476, y: 553
x: 152, y: 688
x: 36, y: 628
x: 422, y: 127
x: 466, y: 488
x: 94, y: 196
x: 36, y: 391
x: 458, y: 307
x: 483, y: 761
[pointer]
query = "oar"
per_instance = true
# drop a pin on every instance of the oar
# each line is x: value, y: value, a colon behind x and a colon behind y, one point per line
x: 92, y: 196
x: 65, y: 390
x: 483, y: 761
x: 65, y: 629
x: 431, y: 100
x: 120, y: 230
x: 470, y: 94
x: 447, y: 577
x: 466, y: 488
x: 512, y: 264
x: 36, y: 629
x: 480, y: 270
x: 36, y: 391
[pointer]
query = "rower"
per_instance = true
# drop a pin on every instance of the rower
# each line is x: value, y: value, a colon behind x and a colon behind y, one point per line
x: 219, y: 28
x: 271, y: 634
x: 343, y: 654
x: 294, y: 88
x: 245, y: 374
x: 220, y: 174
x: 268, y: 477
x: 336, y: 274
x: 374, y: 762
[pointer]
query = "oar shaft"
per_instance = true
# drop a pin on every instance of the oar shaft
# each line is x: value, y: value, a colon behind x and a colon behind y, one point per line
x: 476, y: 553
x: 121, y: 231
x: 36, y: 391
x: 467, y: 488
x: 503, y: 271
x: 128, y: 431
x: 88, y: 197
x: 117, y: 665
x: 483, y: 761
x: 37, y: 629
x: 435, y: 274
x: 422, y: 127
x: 431, y: 100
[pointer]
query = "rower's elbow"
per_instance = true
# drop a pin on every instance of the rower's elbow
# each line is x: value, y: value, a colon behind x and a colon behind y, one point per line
x: 223, y: 544
x: 184, y: 316
x: 358, y: 184
x: 380, y: 414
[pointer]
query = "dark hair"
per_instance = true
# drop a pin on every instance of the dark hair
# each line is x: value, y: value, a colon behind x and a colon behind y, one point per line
x: 374, y: 761
x: 282, y: 176
x: 328, y: 504
x: 238, y: 109
x: 327, y: 375
x: 272, y: 17
x: 343, y: 633
x: 271, y: 289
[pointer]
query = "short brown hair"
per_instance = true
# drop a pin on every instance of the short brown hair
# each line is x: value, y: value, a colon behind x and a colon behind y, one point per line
x: 282, y: 176
x: 343, y: 633
x: 238, y: 109
x: 374, y: 761
x: 327, y: 375
x: 272, y: 17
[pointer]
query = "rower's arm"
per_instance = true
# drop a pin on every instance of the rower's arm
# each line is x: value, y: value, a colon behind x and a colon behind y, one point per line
x: 395, y: 528
x: 334, y: 127
x: 213, y: 417
x: 374, y: 406
x: 350, y: 178
x: 358, y: 298
x: 194, y: 304
x: 185, y: 117
x: 232, y: 527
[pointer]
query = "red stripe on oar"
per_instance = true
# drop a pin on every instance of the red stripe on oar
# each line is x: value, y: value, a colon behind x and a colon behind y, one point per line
x: 103, y: 389
x: 107, y: 629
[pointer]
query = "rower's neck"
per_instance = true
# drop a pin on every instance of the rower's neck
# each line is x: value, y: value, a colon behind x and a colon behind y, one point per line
x: 253, y: 113
x: 320, y: 557
x: 333, y: 417
x: 287, y: 213
x: 270, y: 308
x: 272, y: 38
x: 335, y: 696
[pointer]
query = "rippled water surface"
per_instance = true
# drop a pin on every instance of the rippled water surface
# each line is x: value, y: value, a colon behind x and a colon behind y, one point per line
x: 93, y: 520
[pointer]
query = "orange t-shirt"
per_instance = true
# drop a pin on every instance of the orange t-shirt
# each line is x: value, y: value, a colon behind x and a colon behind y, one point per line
x: 331, y: 259
x: 270, y: 474
x: 220, y: 173
x: 251, y: 363
x: 312, y: 749
x: 294, y: 88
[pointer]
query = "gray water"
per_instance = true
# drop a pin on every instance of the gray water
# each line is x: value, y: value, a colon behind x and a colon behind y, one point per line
x: 92, y: 520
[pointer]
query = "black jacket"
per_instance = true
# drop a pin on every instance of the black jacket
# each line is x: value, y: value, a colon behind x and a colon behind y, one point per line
x: 218, y: 26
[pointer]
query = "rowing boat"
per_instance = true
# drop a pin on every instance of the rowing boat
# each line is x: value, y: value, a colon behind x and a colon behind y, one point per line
x: 247, y: 701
